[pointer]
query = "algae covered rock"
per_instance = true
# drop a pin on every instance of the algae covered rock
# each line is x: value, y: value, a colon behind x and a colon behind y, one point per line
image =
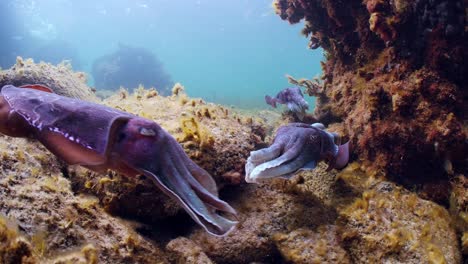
x: 459, y: 209
x: 55, y: 224
x: 185, y: 251
x: 387, y: 223
x: 304, y: 246
x: 60, y: 78
x: 263, y: 212
x: 13, y: 247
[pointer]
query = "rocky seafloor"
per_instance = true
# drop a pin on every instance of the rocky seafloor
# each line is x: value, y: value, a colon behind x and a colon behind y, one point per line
x: 384, y: 207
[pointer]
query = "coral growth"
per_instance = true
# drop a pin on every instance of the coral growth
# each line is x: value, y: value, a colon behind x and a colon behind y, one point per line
x: 395, y: 77
x: 129, y: 67
x: 60, y: 78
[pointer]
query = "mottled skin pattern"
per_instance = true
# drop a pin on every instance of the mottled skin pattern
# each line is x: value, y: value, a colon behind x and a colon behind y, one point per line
x: 293, y: 98
x: 101, y: 138
x: 296, y: 146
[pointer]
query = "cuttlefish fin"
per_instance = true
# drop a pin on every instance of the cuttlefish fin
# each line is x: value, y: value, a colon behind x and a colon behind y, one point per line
x: 38, y: 87
x: 69, y: 151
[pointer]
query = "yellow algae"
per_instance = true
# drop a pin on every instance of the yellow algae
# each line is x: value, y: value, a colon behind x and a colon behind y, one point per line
x: 193, y: 131
x: 394, y: 223
x: 151, y: 93
x: 183, y: 99
x: 435, y: 255
x: 464, y: 242
x: 394, y: 240
x: 177, y: 89
x: 205, y: 112
x: 39, y: 242
x: 303, y: 245
x: 88, y: 254
x: 54, y: 183
x: 13, y: 247
x: 87, y: 202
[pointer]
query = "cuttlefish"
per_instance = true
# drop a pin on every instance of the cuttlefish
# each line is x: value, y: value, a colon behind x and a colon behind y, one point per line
x: 296, y: 146
x: 100, y: 138
x: 293, y: 98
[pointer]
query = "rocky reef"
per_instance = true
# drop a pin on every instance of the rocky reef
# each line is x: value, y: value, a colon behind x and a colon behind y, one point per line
x: 129, y: 67
x: 394, y: 78
x: 392, y: 84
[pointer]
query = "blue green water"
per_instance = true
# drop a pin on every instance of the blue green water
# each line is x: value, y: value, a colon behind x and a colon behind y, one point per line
x: 227, y: 51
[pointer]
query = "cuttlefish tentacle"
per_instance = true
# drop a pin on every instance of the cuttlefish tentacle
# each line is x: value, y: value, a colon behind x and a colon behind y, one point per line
x: 101, y: 138
x: 142, y: 142
x: 262, y: 155
x: 296, y: 146
x: 289, y: 156
x: 284, y: 169
x: 201, y: 175
x: 199, y: 208
x: 204, y: 194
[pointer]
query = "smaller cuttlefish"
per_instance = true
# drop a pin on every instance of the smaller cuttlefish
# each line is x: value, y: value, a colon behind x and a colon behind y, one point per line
x: 293, y: 98
x: 297, y: 146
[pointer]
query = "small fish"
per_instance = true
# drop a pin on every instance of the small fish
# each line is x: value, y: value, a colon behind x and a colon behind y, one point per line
x: 293, y: 98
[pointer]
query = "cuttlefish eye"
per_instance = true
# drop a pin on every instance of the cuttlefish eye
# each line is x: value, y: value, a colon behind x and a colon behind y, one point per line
x: 147, y: 132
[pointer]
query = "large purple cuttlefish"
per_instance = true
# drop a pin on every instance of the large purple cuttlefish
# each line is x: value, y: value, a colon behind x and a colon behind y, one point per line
x: 101, y: 138
x: 293, y: 98
x: 296, y: 146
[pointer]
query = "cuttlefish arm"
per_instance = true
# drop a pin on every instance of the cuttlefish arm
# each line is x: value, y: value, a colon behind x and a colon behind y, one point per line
x: 296, y: 146
x: 100, y: 138
x: 149, y: 149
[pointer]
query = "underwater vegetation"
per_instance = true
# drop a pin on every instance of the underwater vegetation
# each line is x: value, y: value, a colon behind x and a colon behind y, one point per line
x: 129, y: 67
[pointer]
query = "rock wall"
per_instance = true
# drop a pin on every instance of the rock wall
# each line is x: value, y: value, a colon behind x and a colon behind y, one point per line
x: 395, y: 78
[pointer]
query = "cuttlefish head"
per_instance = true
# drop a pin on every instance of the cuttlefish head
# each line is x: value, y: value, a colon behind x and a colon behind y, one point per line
x: 147, y: 148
